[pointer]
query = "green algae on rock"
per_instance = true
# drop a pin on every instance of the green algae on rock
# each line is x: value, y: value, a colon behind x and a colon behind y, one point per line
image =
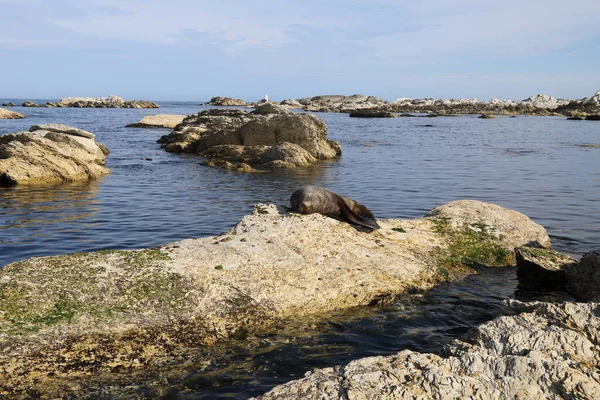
x: 85, y: 314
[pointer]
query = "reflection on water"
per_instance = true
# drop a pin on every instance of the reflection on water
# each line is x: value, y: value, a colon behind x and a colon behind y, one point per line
x: 257, y: 364
x: 397, y: 166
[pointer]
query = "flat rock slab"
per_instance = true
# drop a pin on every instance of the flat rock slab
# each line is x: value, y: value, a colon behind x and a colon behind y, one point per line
x: 7, y: 114
x: 61, y: 128
x: 158, y: 121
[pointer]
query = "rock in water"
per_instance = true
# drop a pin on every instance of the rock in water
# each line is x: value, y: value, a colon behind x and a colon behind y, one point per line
x: 371, y: 113
x: 229, y: 137
x: 7, y: 114
x: 226, y: 101
x: 158, y: 121
x: 50, y: 153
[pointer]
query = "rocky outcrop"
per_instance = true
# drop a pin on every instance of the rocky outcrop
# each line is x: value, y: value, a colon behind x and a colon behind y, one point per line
x: 341, y: 103
x: 29, y: 104
x: 9, y: 104
x: 7, y: 114
x: 269, y: 137
x: 65, y: 319
x: 226, y: 101
x: 50, y: 153
x: 101, y: 102
x: 545, y: 351
x: 544, y: 101
x: 158, y: 121
x: 371, y: 113
x: 593, y: 118
x: 487, y: 116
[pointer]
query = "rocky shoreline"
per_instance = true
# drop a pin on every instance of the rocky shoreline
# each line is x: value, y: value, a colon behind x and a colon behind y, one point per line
x: 90, y: 102
x: 68, y: 319
x: 374, y: 107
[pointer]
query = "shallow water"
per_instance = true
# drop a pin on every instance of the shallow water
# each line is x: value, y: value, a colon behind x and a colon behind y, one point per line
x: 399, y: 168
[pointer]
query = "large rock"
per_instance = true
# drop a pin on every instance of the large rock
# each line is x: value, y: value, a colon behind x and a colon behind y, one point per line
x: 68, y: 318
x: 101, y: 102
x: 512, y: 226
x: 7, y: 114
x: 547, y: 351
x: 158, y: 121
x: 226, y: 101
x: 341, y: 103
x: 50, y: 153
x: 583, y: 279
x: 236, y: 136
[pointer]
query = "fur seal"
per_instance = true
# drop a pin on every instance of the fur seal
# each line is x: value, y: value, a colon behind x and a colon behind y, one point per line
x: 316, y: 199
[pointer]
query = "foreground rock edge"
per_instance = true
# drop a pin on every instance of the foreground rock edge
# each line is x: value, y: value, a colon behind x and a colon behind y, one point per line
x: 70, y: 316
x: 547, y: 350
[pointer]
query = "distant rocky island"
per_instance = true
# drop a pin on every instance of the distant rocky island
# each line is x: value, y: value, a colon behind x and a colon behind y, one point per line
x: 358, y: 105
x: 91, y: 102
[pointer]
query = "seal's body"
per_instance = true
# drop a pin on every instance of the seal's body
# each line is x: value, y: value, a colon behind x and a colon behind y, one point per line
x: 315, y: 199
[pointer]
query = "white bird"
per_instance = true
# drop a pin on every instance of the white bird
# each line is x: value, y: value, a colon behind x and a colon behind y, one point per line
x: 267, y: 97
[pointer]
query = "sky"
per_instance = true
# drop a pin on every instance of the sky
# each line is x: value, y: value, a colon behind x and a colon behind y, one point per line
x: 193, y: 50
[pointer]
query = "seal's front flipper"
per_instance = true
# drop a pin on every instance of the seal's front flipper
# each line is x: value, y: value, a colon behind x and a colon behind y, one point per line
x: 349, y: 216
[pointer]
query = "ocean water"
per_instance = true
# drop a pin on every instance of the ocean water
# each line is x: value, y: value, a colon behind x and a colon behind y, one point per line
x: 399, y: 168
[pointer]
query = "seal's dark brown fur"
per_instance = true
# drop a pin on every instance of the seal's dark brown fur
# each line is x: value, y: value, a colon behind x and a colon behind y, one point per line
x: 315, y: 199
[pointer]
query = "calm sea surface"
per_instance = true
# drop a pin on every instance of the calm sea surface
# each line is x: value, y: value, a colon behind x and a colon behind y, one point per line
x: 399, y: 168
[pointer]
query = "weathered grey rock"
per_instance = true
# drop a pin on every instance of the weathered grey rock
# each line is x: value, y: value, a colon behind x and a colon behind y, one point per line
x: 494, y: 220
x: 158, y: 121
x: 101, y: 102
x: 29, y: 104
x: 341, y: 103
x: 61, y: 128
x: 44, y: 156
x: 221, y: 135
x: 226, y: 101
x: 547, y: 351
x: 543, y: 265
x: 269, y: 108
x: 9, y: 104
x: 371, y: 113
x: 544, y: 101
x: 583, y: 279
x: 291, y: 103
x: 65, y: 318
x: 7, y: 114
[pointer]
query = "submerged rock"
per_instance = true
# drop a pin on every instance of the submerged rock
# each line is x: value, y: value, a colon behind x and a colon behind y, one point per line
x: 547, y: 351
x: 7, y: 114
x: 276, y: 140
x: 50, y: 153
x: 487, y: 116
x: 371, y: 113
x: 66, y: 319
x: 158, y: 121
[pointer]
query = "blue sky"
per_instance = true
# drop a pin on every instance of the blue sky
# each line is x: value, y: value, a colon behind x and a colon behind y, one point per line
x: 193, y: 50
